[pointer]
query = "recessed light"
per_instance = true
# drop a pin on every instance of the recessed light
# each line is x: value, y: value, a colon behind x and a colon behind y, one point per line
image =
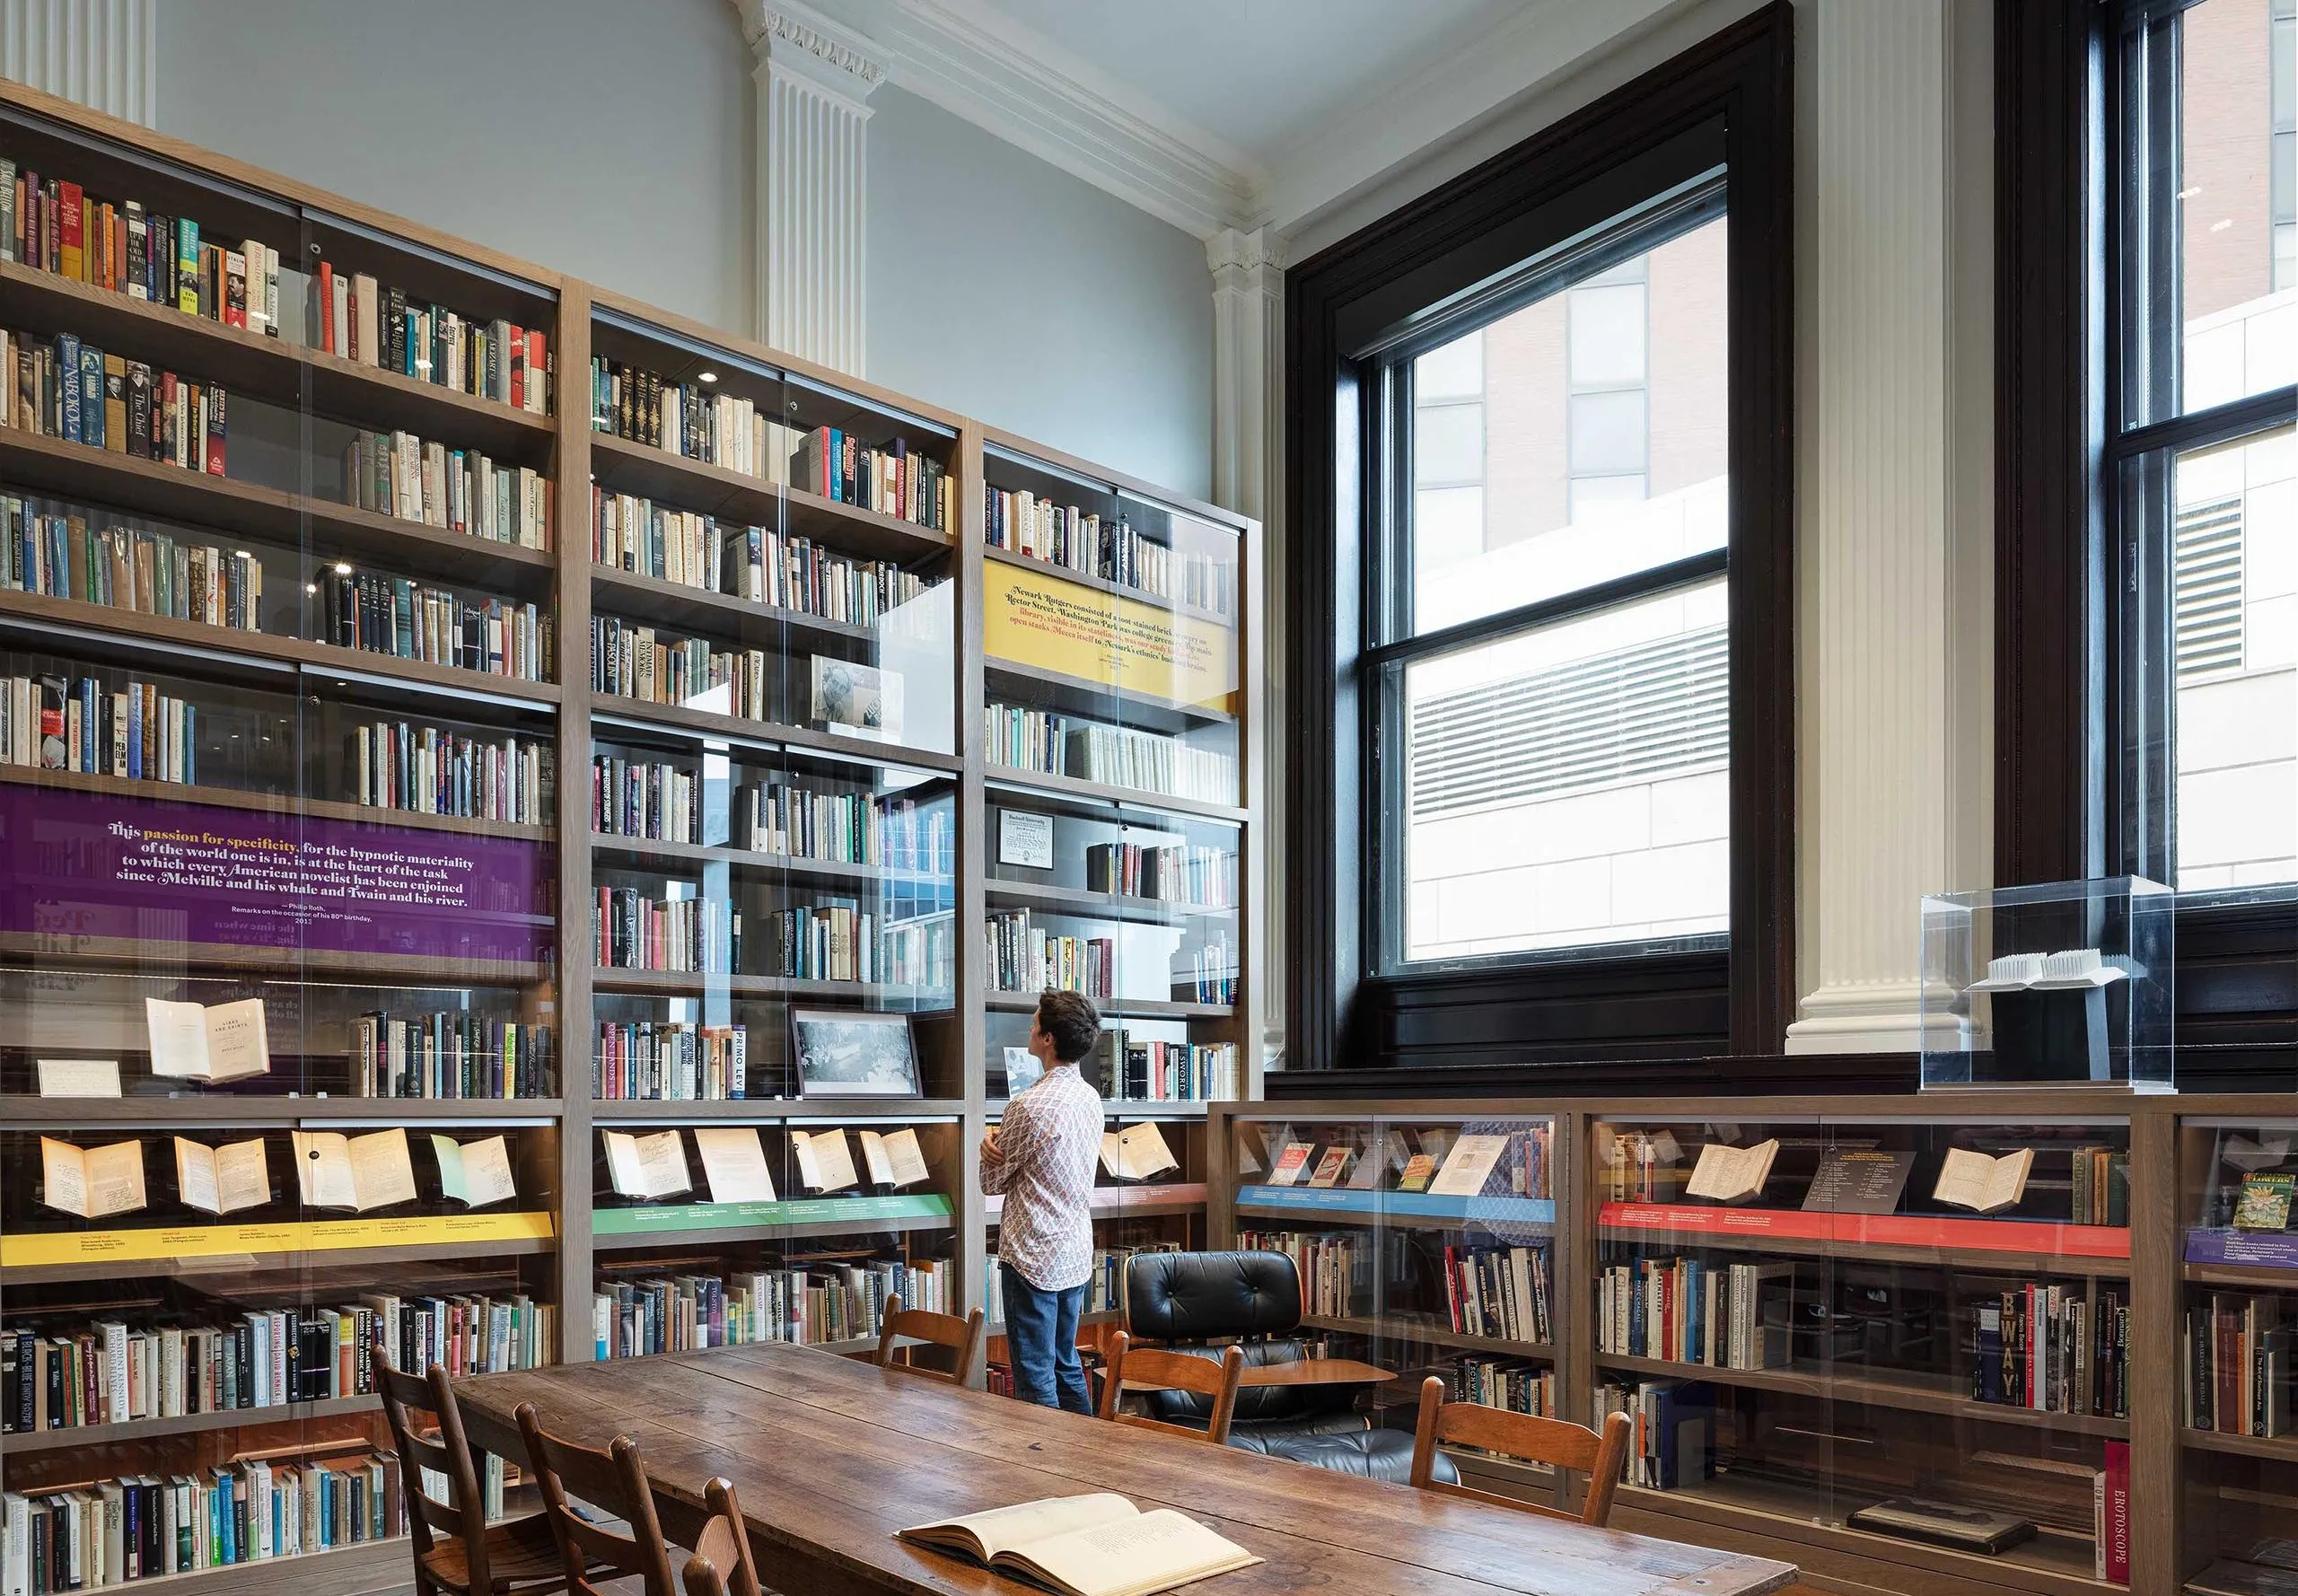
x: 341, y: 569
x: 705, y: 376
x: 311, y: 587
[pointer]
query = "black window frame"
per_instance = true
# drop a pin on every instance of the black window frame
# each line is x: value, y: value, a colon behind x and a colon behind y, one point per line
x: 2088, y: 426
x: 1457, y: 258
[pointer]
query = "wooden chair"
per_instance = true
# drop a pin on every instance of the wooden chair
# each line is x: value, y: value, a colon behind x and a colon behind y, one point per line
x: 1148, y: 1368
x: 1555, y: 1441
x: 456, y: 1550
x: 722, y: 1541
x: 614, y: 1480
x: 961, y: 1336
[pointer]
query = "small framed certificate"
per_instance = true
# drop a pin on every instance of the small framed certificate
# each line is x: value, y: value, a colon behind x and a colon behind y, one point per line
x: 1024, y: 839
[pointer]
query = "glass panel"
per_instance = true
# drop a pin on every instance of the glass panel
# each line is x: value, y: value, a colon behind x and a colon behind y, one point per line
x: 1608, y: 390
x: 1425, y: 1245
x: 1901, y: 1328
x: 728, y: 1230
x: 2240, y: 321
x: 2235, y: 620
x: 1567, y: 785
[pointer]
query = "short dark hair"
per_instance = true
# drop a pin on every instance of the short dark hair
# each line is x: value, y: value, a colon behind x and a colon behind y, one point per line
x: 1073, y: 1023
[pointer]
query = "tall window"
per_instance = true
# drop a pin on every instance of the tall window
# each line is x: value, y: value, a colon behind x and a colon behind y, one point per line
x: 2203, y: 458
x: 1555, y: 688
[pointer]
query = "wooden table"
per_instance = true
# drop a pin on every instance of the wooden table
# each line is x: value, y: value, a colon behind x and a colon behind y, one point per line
x: 830, y: 1457
x: 1315, y: 1372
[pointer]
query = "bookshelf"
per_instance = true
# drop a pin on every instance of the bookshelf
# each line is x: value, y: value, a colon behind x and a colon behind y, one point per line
x: 1857, y: 1375
x: 368, y: 628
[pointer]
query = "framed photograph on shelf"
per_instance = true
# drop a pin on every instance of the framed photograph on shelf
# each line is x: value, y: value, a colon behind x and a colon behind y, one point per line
x: 856, y: 701
x: 847, y: 1053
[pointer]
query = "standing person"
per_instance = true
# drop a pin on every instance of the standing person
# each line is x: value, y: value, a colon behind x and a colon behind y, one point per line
x: 1041, y: 1157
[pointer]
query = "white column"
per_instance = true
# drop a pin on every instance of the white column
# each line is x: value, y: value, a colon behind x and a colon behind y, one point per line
x: 814, y: 78
x: 98, y: 52
x: 1895, y: 679
x: 1248, y: 477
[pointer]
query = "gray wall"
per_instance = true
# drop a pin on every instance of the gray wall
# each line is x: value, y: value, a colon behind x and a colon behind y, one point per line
x: 999, y: 286
x: 1047, y: 307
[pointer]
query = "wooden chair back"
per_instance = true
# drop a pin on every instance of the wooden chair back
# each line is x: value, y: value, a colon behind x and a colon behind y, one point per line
x: 1557, y: 1442
x: 442, y: 1448
x: 961, y: 1336
x: 1153, y: 1369
x: 723, y: 1543
x: 615, y: 1481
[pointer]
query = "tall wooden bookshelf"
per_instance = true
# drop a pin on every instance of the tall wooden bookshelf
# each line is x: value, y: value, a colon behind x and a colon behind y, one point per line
x: 277, y: 708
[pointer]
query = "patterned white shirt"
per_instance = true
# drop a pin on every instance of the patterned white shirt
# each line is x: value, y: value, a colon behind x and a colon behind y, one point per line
x: 1048, y: 1146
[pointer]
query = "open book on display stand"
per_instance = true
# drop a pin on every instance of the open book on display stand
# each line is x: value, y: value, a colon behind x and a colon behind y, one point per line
x: 1982, y: 1184
x: 92, y: 1182
x: 361, y: 1173
x: 825, y: 1161
x: 893, y: 1158
x: 227, y: 1042
x: 650, y: 1166
x: 1100, y: 1545
x: 475, y: 1174
x: 221, y: 1180
x: 733, y: 1162
x: 1136, y: 1153
x: 1731, y: 1174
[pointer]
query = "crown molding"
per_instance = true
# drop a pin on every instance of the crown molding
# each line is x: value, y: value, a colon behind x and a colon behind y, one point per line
x: 1021, y: 87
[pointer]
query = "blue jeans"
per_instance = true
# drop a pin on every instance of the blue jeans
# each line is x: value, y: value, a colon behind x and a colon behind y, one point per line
x: 1041, y: 1338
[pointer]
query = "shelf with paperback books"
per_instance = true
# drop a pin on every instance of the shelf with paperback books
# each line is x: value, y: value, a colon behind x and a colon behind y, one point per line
x: 2237, y: 1307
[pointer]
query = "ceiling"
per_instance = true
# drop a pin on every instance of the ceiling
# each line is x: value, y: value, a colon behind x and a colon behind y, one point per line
x: 1218, y: 114
x: 1260, y: 76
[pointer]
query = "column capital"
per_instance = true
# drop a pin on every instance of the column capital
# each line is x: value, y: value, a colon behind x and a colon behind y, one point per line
x: 793, y: 39
x: 1244, y: 250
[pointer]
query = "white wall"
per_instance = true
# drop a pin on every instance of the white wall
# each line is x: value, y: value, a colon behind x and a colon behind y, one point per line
x: 999, y: 286
x: 466, y: 115
x: 1004, y: 288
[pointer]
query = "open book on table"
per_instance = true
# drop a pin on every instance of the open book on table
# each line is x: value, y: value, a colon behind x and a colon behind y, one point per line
x: 1100, y: 1545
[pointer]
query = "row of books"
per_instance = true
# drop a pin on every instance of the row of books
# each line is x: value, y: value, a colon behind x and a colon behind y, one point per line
x: 374, y: 324
x: 632, y: 533
x: 634, y: 661
x: 378, y: 613
x: 823, y: 1300
x: 52, y: 548
x: 425, y: 770
x: 1503, y: 1382
x: 656, y: 1060
x: 631, y: 931
x: 1206, y: 973
x: 142, y: 1527
x: 1674, y: 1433
x: 1026, y: 958
x: 1080, y: 540
x: 1504, y: 1293
x: 1018, y: 739
x: 2101, y: 1183
x: 451, y: 1054
x: 138, y: 731
x: 457, y: 490
x: 799, y: 822
x: 53, y: 225
x: 1181, y: 873
x: 784, y: 571
x: 693, y: 420
x: 2052, y: 1349
x: 892, y: 479
x: 1688, y: 1310
x: 2238, y: 1360
x: 651, y: 799
x: 1145, y: 1070
x: 62, y: 388
x: 112, y: 1372
x: 1335, y: 1267
x: 835, y: 941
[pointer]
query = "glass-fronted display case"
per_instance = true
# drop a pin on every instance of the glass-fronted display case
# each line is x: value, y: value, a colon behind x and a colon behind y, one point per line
x: 1426, y: 1244
x: 2237, y: 1325
x: 721, y: 1229
x: 1901, y: 1328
